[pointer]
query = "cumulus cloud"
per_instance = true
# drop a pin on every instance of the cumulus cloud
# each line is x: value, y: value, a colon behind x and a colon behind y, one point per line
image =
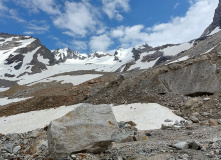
x: 79, y: 18
x: 113, y: 8
x: 130, y: 36
x: 181, y: 29
x: 178, y: 30
x: 48, y: 6
x: 100, y: 43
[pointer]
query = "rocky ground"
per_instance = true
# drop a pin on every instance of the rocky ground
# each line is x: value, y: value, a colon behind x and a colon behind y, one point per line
x: 188, y: 142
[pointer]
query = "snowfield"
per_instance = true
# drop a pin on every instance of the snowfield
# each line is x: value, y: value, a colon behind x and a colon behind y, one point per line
x: 146, y: 116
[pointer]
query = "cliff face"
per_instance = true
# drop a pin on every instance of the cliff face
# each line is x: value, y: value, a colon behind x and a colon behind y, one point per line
x: 216, y: 21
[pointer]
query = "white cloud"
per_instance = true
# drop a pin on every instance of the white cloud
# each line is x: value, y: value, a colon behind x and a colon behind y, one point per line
x: 6, y: 12
x: 100, y: 43
x: 79, y: 18
x: 130, y: 36
x: 181, y: 29
x: 61, y: 44
x: 34, y: 6
x: 118, y: 32
x: 79, y: 45
x: 37, y: 27
x: 113, y: 7
x: 28, y: 32
x: 2, y: 7
x: 178, y: 30
x: 176, y: 5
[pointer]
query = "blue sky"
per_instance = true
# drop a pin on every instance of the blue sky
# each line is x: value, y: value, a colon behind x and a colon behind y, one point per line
x: 105, y: 25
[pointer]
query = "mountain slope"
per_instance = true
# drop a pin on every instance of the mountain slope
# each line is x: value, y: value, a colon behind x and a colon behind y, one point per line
x: 216, y: 24
x: 22, y: 55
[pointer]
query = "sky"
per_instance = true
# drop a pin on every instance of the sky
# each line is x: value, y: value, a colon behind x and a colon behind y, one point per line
x: 105, y: 25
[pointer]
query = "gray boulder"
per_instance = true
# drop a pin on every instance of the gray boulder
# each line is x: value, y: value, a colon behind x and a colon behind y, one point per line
x: 88, y: 128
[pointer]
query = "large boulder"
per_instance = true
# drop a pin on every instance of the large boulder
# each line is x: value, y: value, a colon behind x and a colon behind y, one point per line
x: 88, y: 128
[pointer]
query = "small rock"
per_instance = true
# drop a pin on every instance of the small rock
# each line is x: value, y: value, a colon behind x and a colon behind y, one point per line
x: 206, y: 114
x: 219, y: 114
x: 16, y: 149
x: 166, y: 126
x: 177, y: 123
x: 121, y: 124
x: 181, y: 145
x: 219, y: 121
x: 195, y: 145
x: 9, y: 147
x: 184, y: 156
x: 213, y: 122
x: 168, y: 120
x: 118, y: 158
x: 217, y: 151
x: 127, y: 125
x: 124, y: 137
x: 131, y: 123
x: 206, y: 99
x: 194, y: 119
x: 148, y: 134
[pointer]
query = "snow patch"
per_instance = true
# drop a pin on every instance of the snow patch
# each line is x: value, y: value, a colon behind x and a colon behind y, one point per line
x: 180, y: 59
x: 4, y: 101
x: 43, y: 60
x: 146, y: 116
x: 217, y: 29
x: 209, y: 50
x: 25, y: 122
x: 3, y: 89
x: 174, y: 50
x: 75, y: 80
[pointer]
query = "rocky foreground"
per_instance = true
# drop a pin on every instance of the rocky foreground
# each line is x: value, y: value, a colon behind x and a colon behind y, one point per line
x: 190, y: 141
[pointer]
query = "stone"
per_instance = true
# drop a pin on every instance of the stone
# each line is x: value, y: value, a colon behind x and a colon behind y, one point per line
x: 16, y: 149
x: 206, y: 114
x: 121, y: 124
x: 194, y: 119
x: 181, y: 145
x: 124, y: 137
x: 219, y: 114
x: 195, y: 145
x: 9, y: 147
x: 131, y: 123
x: 213, y: 122
x: 88, y: 128
x: 118, y: 158
x: 168, y: 120
x: 206, y: 99
x: 166, y: 126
